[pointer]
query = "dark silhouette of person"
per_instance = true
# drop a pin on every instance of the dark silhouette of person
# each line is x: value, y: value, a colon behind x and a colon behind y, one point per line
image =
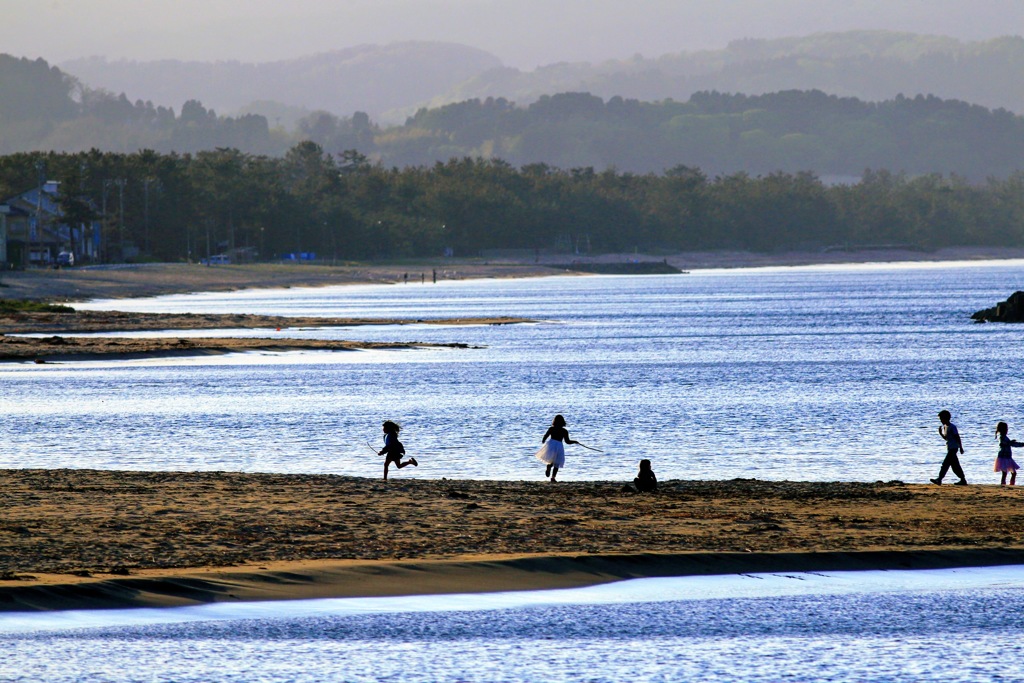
x: 1004, y: 459
x: 645, y: 480
x: 951, y: 435
x: 553, y: 451
x: 393, y: 448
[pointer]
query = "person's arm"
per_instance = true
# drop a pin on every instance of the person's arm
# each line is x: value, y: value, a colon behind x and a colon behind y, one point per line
x: 546, y: 435
x: 567, y: 439
x: 387, y: 445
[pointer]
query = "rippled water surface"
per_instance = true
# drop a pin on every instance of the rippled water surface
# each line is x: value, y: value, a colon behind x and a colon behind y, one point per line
x: 949, y: 625
x: 821, y: 373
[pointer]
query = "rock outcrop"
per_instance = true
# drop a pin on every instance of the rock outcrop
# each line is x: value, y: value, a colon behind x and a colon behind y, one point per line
x: 1009, y: 311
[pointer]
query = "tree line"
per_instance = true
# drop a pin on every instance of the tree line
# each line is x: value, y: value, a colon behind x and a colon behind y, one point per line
x: 179, y: 207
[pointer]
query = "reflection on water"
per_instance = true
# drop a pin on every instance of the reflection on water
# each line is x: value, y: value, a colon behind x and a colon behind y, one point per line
x: 954, y: 625
x: 816, y: 373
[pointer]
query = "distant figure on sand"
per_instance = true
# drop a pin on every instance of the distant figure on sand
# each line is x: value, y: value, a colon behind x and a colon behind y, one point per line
x: 553, y: 451
x: 949, y: 432
x: 1004, y: 461
x: 645, y: 480
x: 393, y: 448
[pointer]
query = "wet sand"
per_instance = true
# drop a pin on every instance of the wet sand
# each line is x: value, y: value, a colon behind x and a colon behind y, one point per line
x: 89, y: 539
x: 60, y: 347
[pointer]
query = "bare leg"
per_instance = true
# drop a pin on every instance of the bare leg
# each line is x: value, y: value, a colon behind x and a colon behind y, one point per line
x: 411, y: 461
x: 1002, y: 482
x: 386, y: 463
x: 1013, y: 478
x: 554, y: 472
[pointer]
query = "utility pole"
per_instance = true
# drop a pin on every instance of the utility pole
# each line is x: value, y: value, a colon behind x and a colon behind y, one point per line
x: 103, y: 224
x: 120, y: 182
x: 146, y: 182
x: 36, y: 231
x: 81, y: 250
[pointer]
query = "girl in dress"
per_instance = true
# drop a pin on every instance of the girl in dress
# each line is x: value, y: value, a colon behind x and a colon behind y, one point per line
x: 553, y: 451
x: 1004, y: 461
x: 393, y: 448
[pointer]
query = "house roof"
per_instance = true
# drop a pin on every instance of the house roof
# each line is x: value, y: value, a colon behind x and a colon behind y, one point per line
x: 38, y: 198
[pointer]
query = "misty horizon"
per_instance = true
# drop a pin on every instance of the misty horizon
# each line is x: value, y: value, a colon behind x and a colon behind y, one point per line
x: 525, y: 34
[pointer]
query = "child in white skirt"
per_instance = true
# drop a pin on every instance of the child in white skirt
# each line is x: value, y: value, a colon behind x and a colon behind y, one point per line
x: 1004, y: 461
x: 552, y: 453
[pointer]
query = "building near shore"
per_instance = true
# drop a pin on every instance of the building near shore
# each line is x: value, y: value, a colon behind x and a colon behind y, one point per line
x: 4, y: 210
x: 34, y: 230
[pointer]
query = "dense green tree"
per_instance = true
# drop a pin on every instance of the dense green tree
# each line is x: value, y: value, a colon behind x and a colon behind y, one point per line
x: 184, y: 207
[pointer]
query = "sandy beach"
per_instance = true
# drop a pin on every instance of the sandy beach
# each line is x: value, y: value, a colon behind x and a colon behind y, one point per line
x: 89, y: 539
x: 114, y: 282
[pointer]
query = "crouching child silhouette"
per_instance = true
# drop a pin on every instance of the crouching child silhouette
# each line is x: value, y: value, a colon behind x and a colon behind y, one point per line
x: 645, y: 481
x: 393, y: 449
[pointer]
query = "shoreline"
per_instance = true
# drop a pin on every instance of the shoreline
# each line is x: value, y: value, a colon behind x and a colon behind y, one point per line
x: 147, y: 280
x: 157, y: 279
x: 286, y: 581
x: 87, y: 539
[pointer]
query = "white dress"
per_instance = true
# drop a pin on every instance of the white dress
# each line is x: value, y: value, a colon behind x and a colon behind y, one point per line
x: 552, y: 453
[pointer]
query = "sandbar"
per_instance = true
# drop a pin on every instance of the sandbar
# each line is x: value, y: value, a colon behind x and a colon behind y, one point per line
x: 80, y: 539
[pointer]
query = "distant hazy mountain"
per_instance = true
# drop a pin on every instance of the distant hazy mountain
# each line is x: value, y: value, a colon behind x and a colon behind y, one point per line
x: 369, y: 78
x: 391, y: 82
x: 870, y: 65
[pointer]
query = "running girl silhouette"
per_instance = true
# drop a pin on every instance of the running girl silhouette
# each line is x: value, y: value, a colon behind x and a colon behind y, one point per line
x: 393, y: 448
x: 553, y: 451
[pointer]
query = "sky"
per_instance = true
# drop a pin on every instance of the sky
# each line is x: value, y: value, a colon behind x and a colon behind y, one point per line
x: 522, y: 33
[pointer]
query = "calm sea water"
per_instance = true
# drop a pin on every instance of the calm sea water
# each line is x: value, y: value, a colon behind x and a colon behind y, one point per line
x: 817, y: 373
x: 949, y: 625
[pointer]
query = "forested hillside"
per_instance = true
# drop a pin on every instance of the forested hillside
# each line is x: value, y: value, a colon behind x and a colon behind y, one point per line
x: 188, y: 206
x: 787, y: 131
x: 391, y: 82
x: 868, y: 65
x: 41, y: 108
x: 369, y: 78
